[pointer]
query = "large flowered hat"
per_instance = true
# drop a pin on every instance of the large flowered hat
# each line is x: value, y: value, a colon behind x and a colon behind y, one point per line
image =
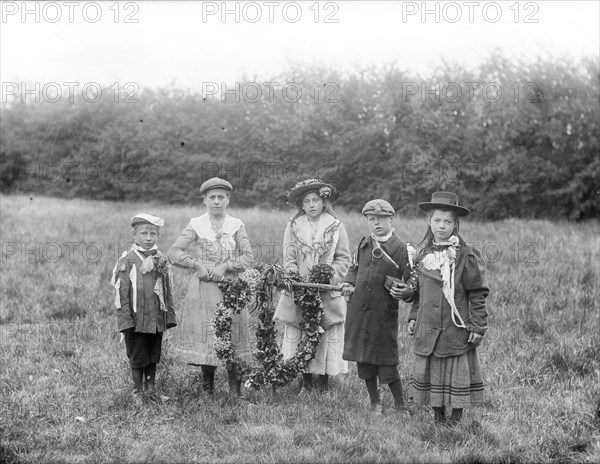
x: 324, y: 190
x: 444, y: 200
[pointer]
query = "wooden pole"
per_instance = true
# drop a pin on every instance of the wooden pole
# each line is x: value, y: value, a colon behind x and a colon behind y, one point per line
x: 318, y: 286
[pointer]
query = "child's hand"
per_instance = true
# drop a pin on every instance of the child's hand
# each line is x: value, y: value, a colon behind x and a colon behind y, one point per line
x: 475, y: 338
x: 401, y: 291
x: 347, y: 289
x: 122, y: 333
x: 411, y: 327
x: 201, y: 271
x: 218, y: 272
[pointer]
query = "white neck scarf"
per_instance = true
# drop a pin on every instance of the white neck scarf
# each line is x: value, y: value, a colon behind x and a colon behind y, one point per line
x: 147, y: 261
x: 383, y: 238
x: 445, y: 261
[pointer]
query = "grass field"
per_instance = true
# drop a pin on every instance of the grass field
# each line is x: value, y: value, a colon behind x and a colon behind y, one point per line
x: 65, y: 380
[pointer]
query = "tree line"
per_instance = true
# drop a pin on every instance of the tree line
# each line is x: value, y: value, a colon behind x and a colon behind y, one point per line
x: 513, y: 138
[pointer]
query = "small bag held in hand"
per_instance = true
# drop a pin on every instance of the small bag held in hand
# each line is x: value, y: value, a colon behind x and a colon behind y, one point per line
x: 391, y: 282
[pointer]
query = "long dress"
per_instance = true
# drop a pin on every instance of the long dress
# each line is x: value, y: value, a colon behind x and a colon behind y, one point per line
x: 300, y: 253
x: 194, y: 337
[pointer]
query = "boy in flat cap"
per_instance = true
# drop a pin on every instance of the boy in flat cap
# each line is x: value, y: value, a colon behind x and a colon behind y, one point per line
x: 144, y: 301
x: 371, y: 335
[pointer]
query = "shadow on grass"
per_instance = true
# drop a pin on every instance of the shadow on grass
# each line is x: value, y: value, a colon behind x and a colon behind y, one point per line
x: 8, y: 456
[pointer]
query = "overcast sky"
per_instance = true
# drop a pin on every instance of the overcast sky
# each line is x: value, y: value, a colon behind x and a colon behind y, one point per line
x: 187, y: 43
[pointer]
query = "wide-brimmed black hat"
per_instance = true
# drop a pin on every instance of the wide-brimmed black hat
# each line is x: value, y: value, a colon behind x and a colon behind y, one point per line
x: 324, y: 190
x: 444, y: 200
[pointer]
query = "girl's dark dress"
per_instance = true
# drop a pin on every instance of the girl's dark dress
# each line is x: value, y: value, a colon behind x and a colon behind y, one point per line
x: 446, y: 368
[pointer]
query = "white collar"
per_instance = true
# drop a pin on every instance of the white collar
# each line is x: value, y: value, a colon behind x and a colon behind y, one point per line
x: 203, y: 227
x: 383, y: 238
x: 301, y: 228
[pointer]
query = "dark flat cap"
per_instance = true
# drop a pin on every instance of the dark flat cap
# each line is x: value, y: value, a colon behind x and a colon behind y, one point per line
x: 378, y: 207
x: 213, y: 183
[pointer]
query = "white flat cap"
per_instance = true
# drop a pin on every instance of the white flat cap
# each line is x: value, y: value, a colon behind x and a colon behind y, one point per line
x: 143, y: 218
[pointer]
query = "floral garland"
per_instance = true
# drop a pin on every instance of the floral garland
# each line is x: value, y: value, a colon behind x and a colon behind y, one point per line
x: 259, y: 283
x: 236, y: 294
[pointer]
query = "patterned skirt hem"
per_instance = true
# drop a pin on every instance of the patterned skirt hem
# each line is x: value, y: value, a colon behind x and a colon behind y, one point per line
x: 453, y: 382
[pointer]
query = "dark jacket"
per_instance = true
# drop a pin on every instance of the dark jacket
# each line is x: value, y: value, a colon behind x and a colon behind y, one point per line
x: 372, y: 318
x: 149, y: 317
x: 435, y: 333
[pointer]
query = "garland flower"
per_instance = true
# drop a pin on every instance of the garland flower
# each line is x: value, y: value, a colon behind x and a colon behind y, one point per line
x: 325, y: 192
x: 236, y: 294
x: 258, y: 284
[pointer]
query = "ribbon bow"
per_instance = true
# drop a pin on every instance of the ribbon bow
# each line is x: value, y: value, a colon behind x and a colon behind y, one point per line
x: 147, y: 257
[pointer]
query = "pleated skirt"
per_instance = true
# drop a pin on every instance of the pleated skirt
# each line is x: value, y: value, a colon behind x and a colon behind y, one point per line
x: 454, y: 382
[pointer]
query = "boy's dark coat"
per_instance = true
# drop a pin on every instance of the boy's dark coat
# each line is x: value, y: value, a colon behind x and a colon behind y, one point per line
x: 372, y: 318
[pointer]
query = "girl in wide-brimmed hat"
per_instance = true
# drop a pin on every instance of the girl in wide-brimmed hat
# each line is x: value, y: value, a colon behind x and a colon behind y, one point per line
x: 314, y: 235
x: 449, y: 318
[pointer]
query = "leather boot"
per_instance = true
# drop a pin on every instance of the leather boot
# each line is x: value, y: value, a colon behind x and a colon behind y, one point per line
x: 149, y: 379
x: 374, y: 397
x: 235, y: 384
x: 398, y: 394
x: 322, y: 383
x: 307, y: 382
x: 439, y: 414
x: 137, y: 374
x: 455, y: 417
x: 208, y: 379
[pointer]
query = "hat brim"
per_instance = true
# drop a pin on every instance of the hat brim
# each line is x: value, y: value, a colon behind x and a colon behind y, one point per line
x: 428, y: 206
x: 138, y: 222
x: 203, y: 193
x: 296, y: 194
x: 143, y: 218
x: 383, y: 213
x: 142, y: 222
